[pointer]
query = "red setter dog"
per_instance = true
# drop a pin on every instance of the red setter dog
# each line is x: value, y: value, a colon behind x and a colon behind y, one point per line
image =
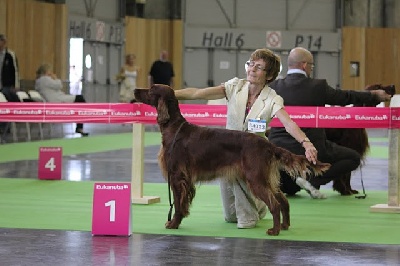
x: 356, y: 139
x: 190, y: 154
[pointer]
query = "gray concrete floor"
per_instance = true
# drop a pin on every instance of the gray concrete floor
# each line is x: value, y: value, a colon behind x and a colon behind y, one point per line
x: 50, y: 247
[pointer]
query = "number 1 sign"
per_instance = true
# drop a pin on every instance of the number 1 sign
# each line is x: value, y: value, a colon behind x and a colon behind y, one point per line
x: 50, y: 163
x: 112, y: 209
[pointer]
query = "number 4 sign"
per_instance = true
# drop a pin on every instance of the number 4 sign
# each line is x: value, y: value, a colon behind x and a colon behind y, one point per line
x: 50, y: 163
x: 112, y: 209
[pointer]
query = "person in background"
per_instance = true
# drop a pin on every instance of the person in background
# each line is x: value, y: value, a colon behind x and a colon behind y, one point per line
x: 51, y: 89
x: 299, y: 89
x: 9, y: 75
x: 9, y: 78
x: 127, y: 79
x: 161, y: 71
x: 75, y: 81
x: 247, y: 99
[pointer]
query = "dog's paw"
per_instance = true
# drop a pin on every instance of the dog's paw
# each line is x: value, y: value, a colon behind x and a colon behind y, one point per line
x: 284, y: 226
x: 171, y: 225
x: 273, y: 231
x: 354, y: 191
x: 348, y: 192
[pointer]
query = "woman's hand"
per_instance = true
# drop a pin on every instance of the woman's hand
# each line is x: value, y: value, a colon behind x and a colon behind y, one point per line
x: 311, y: 152
x: 120, y: 77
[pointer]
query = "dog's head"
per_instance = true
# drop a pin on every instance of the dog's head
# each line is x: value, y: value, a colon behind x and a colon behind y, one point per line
x: 159, y: 96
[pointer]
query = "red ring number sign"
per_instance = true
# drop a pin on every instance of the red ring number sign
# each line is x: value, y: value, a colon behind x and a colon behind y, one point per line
x: 50, y: 163
x: 112, y: 209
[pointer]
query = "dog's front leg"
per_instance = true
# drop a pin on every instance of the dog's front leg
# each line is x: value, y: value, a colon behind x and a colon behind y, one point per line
x: 184, y: 192
x: 177, y: 218
x: 175, y: 222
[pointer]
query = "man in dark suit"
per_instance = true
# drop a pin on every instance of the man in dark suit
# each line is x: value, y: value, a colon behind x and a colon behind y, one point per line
x: 299, y: 89
x: 9, y: 78
x: 9, y: 75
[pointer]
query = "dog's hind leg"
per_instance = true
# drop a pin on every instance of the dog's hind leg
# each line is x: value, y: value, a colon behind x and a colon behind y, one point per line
x: 266, y: 195
x: 285, y: 210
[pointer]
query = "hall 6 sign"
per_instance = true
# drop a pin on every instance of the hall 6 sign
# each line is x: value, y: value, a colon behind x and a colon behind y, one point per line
x: 50, y: 163
x: 112, y: 209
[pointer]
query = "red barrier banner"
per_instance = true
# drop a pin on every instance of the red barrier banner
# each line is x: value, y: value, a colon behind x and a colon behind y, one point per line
x: 354, y: 117
x: 204, y: 114
x: 338, y: 117
x: 394, y: 118
x: 302, y: 116
x: 200, y: 114
x: 69, y: 112
x: 326, y: 117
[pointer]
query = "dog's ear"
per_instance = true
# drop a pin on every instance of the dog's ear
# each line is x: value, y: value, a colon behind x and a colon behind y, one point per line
x: 162, y: 112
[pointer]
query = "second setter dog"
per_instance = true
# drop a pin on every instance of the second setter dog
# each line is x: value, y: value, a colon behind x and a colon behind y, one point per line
x: 191, y: 153
x: 356, y: 139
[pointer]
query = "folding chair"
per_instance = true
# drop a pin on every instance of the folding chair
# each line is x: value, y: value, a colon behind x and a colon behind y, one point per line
x: 22, y: 95
x: 36, y: 96
x: 8, y: 124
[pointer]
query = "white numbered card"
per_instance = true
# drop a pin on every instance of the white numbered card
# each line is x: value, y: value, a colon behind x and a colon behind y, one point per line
x: 256, y: 125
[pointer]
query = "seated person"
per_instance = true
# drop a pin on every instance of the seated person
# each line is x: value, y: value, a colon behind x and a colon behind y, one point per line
x: 51, y: 88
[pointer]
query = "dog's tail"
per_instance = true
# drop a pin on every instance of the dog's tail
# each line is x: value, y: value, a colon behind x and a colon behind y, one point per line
x: 298, y: 165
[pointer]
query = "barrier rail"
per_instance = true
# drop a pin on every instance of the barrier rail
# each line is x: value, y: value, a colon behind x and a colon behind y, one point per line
x: 215, y: 115
x: 322, y: 117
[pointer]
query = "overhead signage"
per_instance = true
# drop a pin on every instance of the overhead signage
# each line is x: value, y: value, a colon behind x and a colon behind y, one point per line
x: 94, y: 30
x: 249, y: 39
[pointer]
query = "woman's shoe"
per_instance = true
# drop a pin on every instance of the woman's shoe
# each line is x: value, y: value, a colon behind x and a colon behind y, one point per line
x: 80, y: 131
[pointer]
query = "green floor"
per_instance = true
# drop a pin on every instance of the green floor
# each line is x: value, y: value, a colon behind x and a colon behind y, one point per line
x: 67, y: 205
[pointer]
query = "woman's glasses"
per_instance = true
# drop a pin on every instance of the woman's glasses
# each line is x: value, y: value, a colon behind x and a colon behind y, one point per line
x: 253, y: 64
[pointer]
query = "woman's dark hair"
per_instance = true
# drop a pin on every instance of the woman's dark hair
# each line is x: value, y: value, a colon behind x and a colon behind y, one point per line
x: 272, y: 62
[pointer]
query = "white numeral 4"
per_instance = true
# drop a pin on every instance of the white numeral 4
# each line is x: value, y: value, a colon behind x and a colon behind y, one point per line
x: 50, y: 164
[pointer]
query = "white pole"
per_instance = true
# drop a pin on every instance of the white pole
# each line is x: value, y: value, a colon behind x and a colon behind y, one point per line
x: 138, y: 167
x: 393, y: 205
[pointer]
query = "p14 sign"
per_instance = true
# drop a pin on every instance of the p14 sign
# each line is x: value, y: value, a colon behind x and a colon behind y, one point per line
x: 50, y: 163
x: 112, y: 209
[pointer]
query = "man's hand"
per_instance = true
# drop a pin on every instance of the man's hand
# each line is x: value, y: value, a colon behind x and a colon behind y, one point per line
x: 384, y: 93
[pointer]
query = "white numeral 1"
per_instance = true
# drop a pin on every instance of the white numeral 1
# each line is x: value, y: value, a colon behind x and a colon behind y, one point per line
x: 111, y: 204
x: 50, y: 164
